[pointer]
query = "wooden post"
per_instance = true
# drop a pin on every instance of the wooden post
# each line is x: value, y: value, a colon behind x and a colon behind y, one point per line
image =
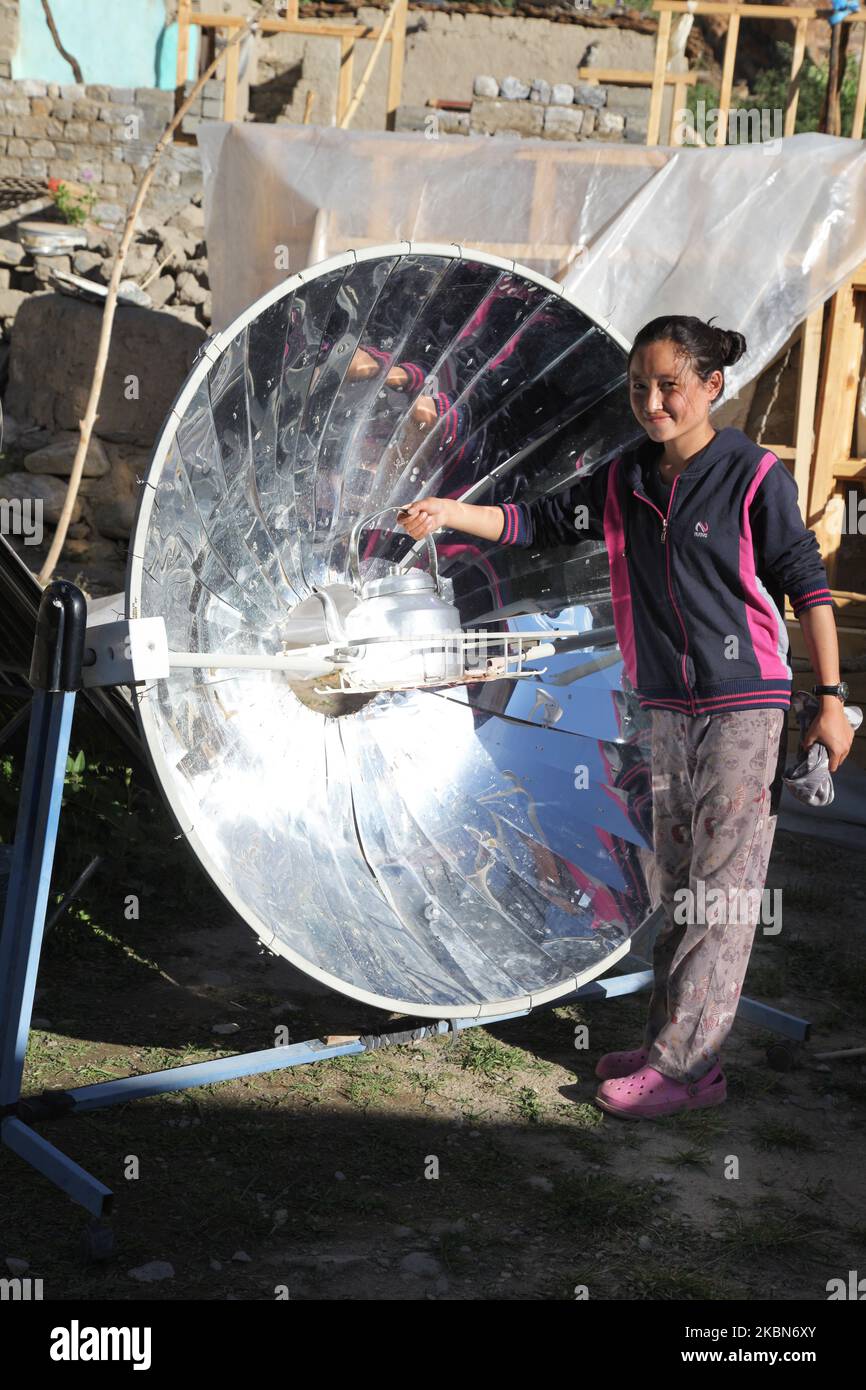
x: 860, y: 100
x: 395, y: 67
x: 371, y: 63
x: 677, y: 105
x: 731, y: 40
x: 230, y: 101
x: 836, y: 412
x: 794, y: 85
x: 184, y: 9
x: 655, y: 112
x: 344, y: 88
x: 804, y: 415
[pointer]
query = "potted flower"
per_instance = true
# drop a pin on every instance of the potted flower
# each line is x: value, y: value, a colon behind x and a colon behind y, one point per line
x: 74, y: 202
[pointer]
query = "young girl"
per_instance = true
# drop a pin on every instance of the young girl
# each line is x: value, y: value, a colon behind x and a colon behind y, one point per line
x: 704, y: 538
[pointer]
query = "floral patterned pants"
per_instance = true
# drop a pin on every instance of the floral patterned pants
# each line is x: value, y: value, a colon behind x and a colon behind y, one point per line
x: 713, y: 831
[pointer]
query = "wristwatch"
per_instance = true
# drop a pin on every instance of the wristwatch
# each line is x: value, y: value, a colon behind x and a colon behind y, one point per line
x: 841, y: 690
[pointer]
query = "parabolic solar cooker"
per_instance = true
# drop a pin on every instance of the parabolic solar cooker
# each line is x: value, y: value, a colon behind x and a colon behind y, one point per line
x: 416, y: 770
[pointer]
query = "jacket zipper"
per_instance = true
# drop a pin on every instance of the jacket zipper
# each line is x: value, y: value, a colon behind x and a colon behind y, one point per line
x: 665, y: 520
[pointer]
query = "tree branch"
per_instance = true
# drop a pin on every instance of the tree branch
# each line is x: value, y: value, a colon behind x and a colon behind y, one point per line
x: 73, y: 62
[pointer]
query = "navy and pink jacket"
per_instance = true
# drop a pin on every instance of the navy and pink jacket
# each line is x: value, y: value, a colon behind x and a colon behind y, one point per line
x: 698, y: 593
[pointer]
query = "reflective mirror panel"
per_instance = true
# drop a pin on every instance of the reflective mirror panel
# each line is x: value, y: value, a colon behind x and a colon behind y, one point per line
x: 438, y: 851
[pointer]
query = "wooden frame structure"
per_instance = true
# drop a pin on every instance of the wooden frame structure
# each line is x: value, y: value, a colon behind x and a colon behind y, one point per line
x: 799, y: 15
x: 392, y: 31
x: 835, y: 463
x: 633, y: 77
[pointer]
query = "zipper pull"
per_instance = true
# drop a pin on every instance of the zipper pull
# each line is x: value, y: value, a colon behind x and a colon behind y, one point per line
x: 664, y: 530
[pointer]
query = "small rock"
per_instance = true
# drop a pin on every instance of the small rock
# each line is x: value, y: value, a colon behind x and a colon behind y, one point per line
x: 512, y: 89
x: 562, y: 94
x: 12, y: 252
x: 57, y: 458
x: 152, y: 1273
x: 10, y: 302
x: 644, y: 1243
x: 241, y: 1257
x: 542, y: 1183
x: 189, y: 219
x: 16, y: 1266
x: 589, y: 94
x: 215, y: 1266
x: 540, y: 90
x: 483, y: 86
x: 38, y: 488
x: 161, y: 290
x: 610, y: 123
x: 422, y: 1265
x: 402, y: 1231
x: 139, y: 259
x: 340, y: 1177
x: 45, y: 266
x: 83, y: 262
x: 226, y: 1028
x: 662, y: 1177
x: 131, y: 293
x: 189, y: 291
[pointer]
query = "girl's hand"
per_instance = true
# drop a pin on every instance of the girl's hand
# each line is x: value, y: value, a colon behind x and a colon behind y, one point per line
x: 831, y: 727
x: 362, y: 366
x: 397, y: 377
x: 423, y: 412
x: 422, y: 518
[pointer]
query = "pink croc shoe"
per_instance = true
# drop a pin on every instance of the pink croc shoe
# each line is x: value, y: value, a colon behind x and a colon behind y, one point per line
x: 646, y: 1094
x: 614, y: 1064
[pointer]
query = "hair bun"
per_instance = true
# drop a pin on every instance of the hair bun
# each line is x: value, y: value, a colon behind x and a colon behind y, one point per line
x: 732, y: 346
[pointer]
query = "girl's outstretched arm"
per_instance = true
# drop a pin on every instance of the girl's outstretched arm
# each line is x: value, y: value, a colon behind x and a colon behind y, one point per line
x: 422, y: 518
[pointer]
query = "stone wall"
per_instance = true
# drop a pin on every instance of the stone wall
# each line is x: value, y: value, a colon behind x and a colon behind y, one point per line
x: 444, y: 52
x: 95, y: 135
x: 539, y: 110
x: 8, y: 35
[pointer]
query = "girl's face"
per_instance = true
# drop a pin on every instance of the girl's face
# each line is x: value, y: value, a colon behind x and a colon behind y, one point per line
x: 667, y: 395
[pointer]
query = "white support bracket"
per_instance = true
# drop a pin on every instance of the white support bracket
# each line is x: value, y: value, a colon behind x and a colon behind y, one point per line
x: 128, y: 652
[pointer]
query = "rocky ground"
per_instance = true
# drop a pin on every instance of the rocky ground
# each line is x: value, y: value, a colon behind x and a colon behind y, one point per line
x: 475, y: 1169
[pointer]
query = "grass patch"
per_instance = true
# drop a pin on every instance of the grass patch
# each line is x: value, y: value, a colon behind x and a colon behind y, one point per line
x: 597, y: 1203
x: 483, y: 1055
x: 775, y: 1136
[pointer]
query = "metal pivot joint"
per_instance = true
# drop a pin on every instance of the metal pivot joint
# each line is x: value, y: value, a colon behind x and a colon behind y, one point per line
x: 58, y: 651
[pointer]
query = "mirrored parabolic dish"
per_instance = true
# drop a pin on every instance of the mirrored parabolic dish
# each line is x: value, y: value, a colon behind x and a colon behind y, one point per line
x: 439, y: 847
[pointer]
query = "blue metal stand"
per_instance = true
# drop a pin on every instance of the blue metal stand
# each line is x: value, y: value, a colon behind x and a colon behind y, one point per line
x: 55, y: 676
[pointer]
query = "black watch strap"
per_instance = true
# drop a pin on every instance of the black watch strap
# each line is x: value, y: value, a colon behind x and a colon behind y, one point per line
x: 840, y: 690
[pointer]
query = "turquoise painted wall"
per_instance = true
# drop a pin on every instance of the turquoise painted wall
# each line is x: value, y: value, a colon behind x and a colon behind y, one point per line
x: 121, y: 43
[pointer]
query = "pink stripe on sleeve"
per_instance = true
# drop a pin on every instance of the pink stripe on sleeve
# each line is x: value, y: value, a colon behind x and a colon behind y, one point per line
x: 763, y: 623
x: 620, y: 589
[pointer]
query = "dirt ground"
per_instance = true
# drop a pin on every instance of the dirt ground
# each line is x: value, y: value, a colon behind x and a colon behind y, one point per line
x: 467, y: 1168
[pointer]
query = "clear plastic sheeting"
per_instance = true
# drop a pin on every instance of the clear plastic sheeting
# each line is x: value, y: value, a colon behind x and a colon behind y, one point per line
x: 756, y: 235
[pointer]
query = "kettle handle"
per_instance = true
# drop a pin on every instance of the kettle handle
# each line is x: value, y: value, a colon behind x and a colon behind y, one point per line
x: 354, y: 560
